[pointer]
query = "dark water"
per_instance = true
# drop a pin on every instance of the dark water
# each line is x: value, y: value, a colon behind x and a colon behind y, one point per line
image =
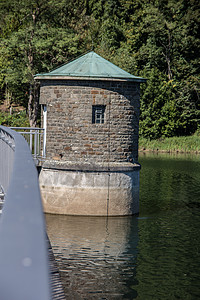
x: 153, y: 256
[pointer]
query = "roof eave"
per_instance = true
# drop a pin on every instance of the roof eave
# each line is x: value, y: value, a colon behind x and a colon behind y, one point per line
x: 62, y: 77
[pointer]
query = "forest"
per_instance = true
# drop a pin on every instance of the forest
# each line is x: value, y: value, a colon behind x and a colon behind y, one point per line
x: 156, y: 39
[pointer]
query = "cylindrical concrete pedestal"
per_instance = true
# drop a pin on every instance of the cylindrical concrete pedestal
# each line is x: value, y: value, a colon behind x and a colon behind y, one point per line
x: 93, y: 190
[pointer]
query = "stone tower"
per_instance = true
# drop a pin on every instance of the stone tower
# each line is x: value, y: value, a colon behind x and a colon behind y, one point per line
x: 90, y: 112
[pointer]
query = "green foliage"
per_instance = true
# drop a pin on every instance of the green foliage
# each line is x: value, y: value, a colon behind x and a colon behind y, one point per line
x: 156, y: 39
x: 37, y: 42
x: 168, y: 46
x: 17, y: 119
x: 166, y: 109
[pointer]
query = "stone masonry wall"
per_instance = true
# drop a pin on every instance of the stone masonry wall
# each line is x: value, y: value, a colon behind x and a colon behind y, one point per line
x: 71, y: 136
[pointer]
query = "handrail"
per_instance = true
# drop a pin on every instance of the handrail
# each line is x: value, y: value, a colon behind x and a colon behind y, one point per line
x: 24, y: 269
x: 7, y: 146
x: 35, y: 137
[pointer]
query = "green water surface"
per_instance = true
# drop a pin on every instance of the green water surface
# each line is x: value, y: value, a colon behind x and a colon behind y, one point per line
x: 153, y: 256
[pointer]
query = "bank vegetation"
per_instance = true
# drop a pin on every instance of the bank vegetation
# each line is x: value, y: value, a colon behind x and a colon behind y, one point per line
x: 181, y: 144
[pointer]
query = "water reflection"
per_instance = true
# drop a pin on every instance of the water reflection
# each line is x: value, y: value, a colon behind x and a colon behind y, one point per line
x: 96, y: 256
x: 154, y: 256
x: 168, y: 261
x: 168, y: 182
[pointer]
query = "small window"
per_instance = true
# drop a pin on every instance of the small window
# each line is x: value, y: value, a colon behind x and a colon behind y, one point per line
x: 98, y: 112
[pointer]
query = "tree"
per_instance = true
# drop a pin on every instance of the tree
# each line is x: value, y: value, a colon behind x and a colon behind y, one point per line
x: 156, y: 39
x: 38, y: 43
x: 164, y: 39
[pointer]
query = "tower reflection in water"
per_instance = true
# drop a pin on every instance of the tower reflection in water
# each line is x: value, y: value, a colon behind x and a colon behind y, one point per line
x: 96, y: 256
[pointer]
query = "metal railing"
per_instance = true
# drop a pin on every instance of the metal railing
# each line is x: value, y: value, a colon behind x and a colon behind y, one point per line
x: 24, y: 269
x: 7, y: 147
x: 36, y: 139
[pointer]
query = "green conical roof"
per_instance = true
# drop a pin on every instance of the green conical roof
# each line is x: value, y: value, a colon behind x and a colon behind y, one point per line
x: 90, y: 65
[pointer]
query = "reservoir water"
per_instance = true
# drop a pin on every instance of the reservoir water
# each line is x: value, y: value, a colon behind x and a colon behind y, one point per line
x: 153, y: 256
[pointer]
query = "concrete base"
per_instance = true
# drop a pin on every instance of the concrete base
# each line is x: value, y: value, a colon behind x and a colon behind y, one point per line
x: 90, y: 190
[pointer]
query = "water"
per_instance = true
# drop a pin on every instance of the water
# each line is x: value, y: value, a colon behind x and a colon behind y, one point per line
x: 153, y: 256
